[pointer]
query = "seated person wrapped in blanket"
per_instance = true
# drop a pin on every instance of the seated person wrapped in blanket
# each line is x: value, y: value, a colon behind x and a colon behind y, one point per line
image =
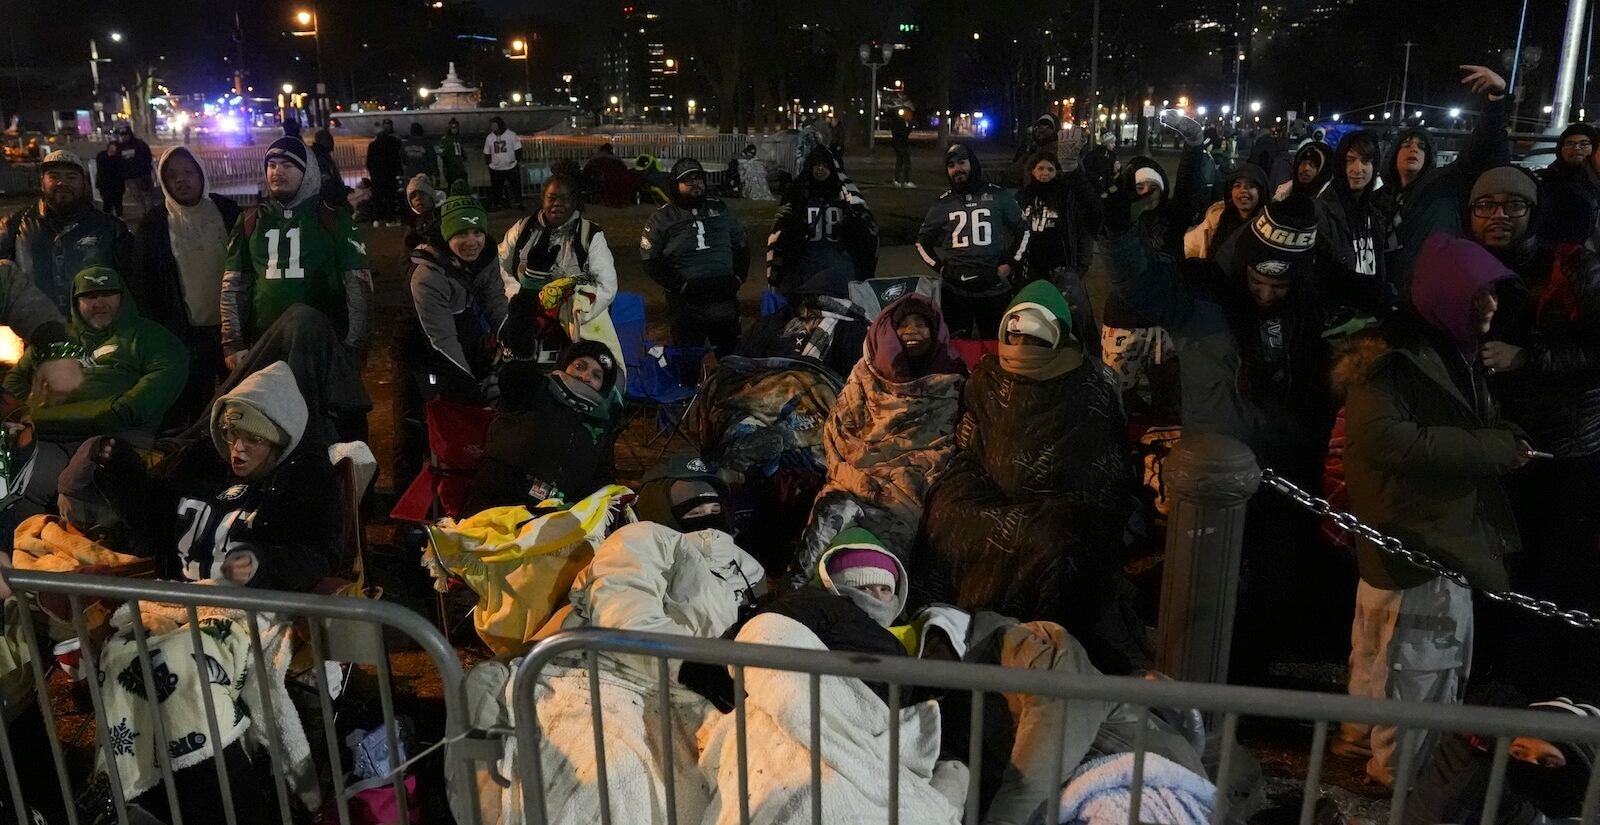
x: 1019, y: 729
x: 652, y: 577
x: 552, y: 434
x: 891, y: 433
x: 1029, y: 518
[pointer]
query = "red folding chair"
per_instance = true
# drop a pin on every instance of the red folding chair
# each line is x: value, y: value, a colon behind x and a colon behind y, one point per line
x: 973, y: 351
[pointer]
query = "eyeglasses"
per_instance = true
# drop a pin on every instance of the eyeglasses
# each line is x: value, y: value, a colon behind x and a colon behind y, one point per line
x: 249, y: 440
x: 1577, y: 144
x: 1514, y: 208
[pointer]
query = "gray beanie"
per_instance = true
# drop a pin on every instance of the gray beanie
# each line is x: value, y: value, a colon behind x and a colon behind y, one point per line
x: 1505, y: 180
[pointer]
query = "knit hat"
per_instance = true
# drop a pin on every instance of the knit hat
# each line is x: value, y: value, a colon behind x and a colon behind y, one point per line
x: 686, y: 167
x: 1048, y: 120
x: 421, y: 182
x: 61, y: 157
x: 592, y: 349
x: 953, y: 621
x: 1580, y: 756
x: 461, y: 212
x: 292, y: 149
x: 1038, y: 310
x: 1108, y: 137
x: 1146, y: 174
x: 1505, y: 180
x: 1583, y: 129
x: 1282, y: 238
x: 863, y: 566
x: 244, y: 417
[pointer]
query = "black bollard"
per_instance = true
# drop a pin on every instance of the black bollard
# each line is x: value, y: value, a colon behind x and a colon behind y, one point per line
x: 1210, y: 478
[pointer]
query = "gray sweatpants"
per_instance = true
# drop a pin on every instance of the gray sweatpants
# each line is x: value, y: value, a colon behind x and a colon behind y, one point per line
x: 1414, y: 645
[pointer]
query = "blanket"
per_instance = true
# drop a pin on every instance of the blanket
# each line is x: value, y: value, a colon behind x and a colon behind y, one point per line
x: 228, y: 676
x: 48, y: 543
x: 1100, y: 792
x: 855, y: 755
x: 522, y: 567
x: 634, y: 752
x: 886, y: 443
x: 757, y: 414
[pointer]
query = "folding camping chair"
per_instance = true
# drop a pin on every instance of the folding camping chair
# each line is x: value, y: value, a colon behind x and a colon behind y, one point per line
x: 456, y: 433
x: 653, y: 387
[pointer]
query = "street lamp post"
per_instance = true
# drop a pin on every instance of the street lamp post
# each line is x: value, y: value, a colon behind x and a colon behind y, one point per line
x: 519, y: 51
x: 310, y: 18
x: 874, y: 57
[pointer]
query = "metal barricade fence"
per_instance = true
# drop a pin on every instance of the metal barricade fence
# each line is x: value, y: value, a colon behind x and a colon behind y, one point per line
x: 1231, y: 702
x: 718, y: 148
x: 338, y: 629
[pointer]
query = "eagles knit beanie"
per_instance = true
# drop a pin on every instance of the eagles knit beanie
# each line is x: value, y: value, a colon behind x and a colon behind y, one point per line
x: 291, y: 149
x: 1283, y: 238
x: 462, y: 212
x: 245, y: 418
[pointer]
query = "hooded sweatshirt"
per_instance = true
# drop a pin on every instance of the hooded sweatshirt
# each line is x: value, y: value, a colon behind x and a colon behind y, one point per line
x: 1204, y: 239
x: 821, y: 227
x: 1318, y: 183
x: 970, y: 231
x: 133, y: 370
x: 1351, y: 223
x: 655, y: 492
x: 287, y: 520
x: 300, y: 252
x: 856, y: 538
x: 182, y: 250
x: 459, y: 306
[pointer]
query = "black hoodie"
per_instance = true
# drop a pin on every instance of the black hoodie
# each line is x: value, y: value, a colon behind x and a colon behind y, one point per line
x: 820, y: 227
x: 1352, y: 224
x: 1062, y: 216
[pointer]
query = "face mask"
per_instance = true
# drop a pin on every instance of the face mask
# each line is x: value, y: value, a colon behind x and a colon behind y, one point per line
x: 710, y: 521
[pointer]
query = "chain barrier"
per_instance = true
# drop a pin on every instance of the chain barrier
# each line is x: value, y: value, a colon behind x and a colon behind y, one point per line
x: 1350, y: 524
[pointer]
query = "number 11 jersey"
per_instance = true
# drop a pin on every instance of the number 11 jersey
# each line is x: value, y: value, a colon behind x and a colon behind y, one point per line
x: 296, y: 256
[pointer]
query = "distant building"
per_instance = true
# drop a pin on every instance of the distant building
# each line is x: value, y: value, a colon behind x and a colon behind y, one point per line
x: 635, y: 65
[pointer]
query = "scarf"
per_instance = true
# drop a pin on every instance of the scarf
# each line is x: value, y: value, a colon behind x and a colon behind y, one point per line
x: 813, y: 328
x: 1038, y: 363
x: 200, y: 246
x: 554, y: 254
x: 582, y: 399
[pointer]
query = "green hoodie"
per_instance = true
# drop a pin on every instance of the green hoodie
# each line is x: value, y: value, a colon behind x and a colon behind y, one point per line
x: 1045, y: 295
x: 133, y: 370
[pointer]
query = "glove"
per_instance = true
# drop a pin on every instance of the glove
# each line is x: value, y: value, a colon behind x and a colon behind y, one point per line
x: 1187, y: 127
x: 1119, y: 211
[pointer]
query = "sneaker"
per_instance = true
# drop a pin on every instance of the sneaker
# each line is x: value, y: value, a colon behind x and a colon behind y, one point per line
x: 376, y: 224
x: 896, y: 184
x: 910, y: 185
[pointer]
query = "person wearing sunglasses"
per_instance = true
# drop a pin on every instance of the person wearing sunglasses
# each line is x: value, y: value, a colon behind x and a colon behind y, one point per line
x: 1543, y: 356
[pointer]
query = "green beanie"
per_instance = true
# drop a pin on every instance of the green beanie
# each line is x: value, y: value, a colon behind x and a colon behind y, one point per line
x: 461, y: 212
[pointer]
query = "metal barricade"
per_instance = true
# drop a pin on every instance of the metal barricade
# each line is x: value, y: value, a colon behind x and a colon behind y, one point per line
x: 337, y: 629
x: 1230, y: 703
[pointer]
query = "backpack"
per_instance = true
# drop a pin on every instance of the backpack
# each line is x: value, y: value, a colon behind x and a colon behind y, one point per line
x: 532, y: 232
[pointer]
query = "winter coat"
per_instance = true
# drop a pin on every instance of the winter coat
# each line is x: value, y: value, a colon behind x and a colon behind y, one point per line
x: 559, y: 446
x: 698, y: 255
x: 52, y: 250
x: 854, y: 752
x: 1436, y: 201
x: 1162, y: 225
x: 452, y: 158
x: 386, y: 160
x: 459, y: 306
x: 1221, y: 219
x: 1424, y: 450
x: 1100, y: 164
x: 1276, y: 403
x: 161, y: 296
x: 133, y: 371
x: 1028, y: 518
x: 1318, y: 183
x: 290, y: 519
x: 29, y: 313
x: 888, y: 438
x: 1554, y: 316
x: 420, y: 156
x: 135, y: 160
x: 1569, y: 197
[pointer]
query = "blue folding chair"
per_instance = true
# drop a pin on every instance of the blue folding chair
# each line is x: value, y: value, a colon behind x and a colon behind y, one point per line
x: 653, y: 386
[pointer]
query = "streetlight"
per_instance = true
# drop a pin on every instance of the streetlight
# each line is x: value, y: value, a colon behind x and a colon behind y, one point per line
x: 116, y: 37
x: 516, y: 97
x: 1455, y: 113
x: 875, y: 56
x: 519, y: 51
x: 288, y: 88
x: 1335, y: 117
x: 309, y: 18
x: 1255, y: 106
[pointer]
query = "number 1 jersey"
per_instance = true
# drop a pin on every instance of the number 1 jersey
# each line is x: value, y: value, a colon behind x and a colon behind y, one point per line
x: 297, y: 256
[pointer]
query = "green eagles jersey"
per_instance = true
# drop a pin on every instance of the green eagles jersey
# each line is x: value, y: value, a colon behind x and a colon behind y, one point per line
x: 297, y: 257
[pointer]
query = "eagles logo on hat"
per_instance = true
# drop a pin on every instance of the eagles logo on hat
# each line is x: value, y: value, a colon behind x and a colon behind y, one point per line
x: 1272, y: 269
x: 1282, y: 239
x: 698, y: 466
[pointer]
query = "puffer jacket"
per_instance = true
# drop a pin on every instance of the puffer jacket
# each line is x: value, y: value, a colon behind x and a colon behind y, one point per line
x: 888, y: 438
x: 651, y: 578
x: 1555, y: 317
x: 1424, y: 450
x: 53, y: 250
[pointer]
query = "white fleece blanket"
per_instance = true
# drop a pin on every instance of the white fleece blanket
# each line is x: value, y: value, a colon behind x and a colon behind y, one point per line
x: 855, y: 748
x: 228, y: 676
x: 1101, y: 793
x: 633, y: 750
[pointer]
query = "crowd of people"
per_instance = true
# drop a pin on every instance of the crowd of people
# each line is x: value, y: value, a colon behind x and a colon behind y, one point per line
x: 1414, y: 339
